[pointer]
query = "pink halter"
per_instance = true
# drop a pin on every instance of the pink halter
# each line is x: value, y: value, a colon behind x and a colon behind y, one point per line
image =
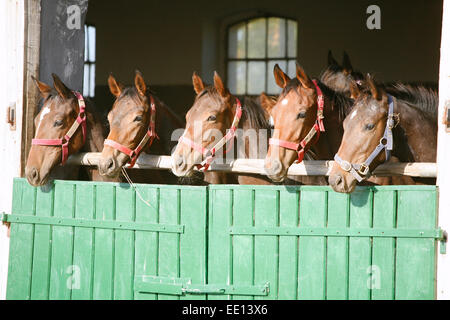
x: 64, y: 142
x: 210, y: 153
x: 148, y: 138
x: 318, y: 127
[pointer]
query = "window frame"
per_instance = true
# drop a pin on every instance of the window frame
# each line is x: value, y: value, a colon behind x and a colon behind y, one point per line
x: 266, y: 59
x: 87, y: 61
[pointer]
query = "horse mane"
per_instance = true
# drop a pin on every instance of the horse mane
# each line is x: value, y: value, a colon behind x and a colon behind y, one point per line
x: 255, y: 114
x: 417, y: 96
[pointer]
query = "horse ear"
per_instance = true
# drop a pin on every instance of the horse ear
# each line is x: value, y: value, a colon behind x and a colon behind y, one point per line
x: 331, y: 60
x: 114, y: 86
x: 199, y: 86
x: 373, y: 87
x: 139, y: 83
x: 266, y: 102
x: 218, y: 84
x: 303, y: 77
x: 61, y: 88
x: 281, y: 78
x: 346, y: 64
x: 44, y: 89
x: 354, y: 90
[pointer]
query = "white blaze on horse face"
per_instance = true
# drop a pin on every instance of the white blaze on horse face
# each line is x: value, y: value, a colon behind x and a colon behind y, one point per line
x: 284, y: 102
x: 43, y: 114
x: 353, y: 114
x: 271, y: 123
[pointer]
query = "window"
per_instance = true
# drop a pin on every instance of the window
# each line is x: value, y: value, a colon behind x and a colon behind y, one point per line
x: 254, y: 47
x: 89, y: 61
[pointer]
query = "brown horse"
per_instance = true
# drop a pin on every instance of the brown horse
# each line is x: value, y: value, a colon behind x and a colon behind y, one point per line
x: 215, y: 110
x: 138, y: 121
x: 296, y: 124
x: 57, y: 116
x: 402, y: 118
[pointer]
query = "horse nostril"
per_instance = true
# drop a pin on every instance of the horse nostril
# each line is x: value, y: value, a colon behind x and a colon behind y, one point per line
x: 34, y: 174
x: 336, y: 180
x: 110, y: 164
x: 179, y: 161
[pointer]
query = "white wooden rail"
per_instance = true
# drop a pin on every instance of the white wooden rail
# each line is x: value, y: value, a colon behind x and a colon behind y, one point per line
x: 256, y: 166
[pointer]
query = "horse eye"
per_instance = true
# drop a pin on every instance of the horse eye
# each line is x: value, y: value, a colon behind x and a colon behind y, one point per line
x: 211, y: 118
x: 301, y: 115
x: 369, y: 126
x: 58, y: 123
x: 138, y: 118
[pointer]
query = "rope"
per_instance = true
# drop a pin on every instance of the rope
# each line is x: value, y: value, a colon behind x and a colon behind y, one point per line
x: 131, y: 183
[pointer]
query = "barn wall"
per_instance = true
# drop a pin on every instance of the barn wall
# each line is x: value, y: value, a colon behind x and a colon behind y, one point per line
x: 168, y: 40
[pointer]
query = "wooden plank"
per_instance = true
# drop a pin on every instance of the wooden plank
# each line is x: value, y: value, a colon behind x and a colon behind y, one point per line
x: 21, y: 244
x: 42, y: 246
x: 169, y: 249
x: 256, y: 166
x: 104, y: 244
x: 243, y: 245
x: 220, y: 258
x: 146, y: 243
x: 193, y: 240
x: 288, y: 247
x: 124, y: 245
x: 266, y: 247
x: 312, y: 249
x: 383, y: 250
x: 415, y: 261
x: 337, y: 247
x: 83, y: 244
x: 360, y: 253
x: 62, y: 244
x: 31, y: 93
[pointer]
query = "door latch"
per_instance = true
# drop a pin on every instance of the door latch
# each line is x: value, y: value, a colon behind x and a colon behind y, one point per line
x: 11, y: 116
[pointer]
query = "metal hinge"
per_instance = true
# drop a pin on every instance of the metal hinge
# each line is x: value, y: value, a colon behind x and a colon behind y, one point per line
x: 11, y: 116
x: 437, y: 234
x: 90, y: 223
x: 183, y: 286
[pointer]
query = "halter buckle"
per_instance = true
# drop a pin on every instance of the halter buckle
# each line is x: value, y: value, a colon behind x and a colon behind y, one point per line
x: 363, y: 169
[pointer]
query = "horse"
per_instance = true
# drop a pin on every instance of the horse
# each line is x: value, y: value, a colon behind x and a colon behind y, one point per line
x: 304, y: 109
x: 139, y: 122
x: 338, y: 77
x: 66, y: 124
x: 214, y: 111
x: 400, y: 121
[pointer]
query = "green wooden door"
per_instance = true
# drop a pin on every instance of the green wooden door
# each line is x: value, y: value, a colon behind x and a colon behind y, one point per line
x: 91, y: 240
x: 309, y: 242
x: 86, y: 240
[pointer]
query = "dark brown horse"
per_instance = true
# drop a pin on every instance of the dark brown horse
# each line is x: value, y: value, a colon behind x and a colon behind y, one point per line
x: 406, y: 113
x: 213, y: 113
x: 338, y: 77
x: 296, y: 114
x: 58, y: 114
x: 130, y: 120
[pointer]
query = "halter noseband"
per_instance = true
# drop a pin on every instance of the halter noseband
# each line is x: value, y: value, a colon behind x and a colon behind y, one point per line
x: 362, y: 171
x: 210, y: 153
x: 64, y: 142
x: 318, y: 127
x: 150, y: 135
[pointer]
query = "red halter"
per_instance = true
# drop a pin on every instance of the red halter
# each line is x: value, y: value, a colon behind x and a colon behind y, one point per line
x: 210, y: 153
x: 318, y: 127
x: 148, y: 138
x: 64, y: 142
